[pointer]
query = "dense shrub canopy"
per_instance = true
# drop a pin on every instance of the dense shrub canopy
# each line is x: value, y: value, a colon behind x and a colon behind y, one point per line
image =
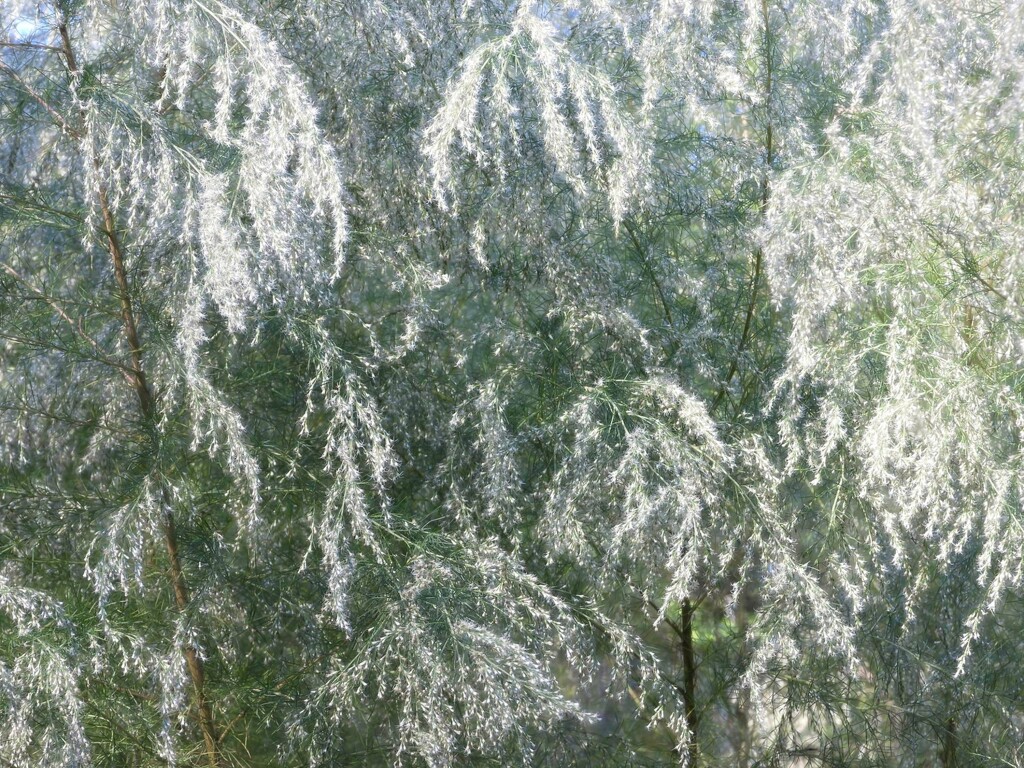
x: 400, y: 382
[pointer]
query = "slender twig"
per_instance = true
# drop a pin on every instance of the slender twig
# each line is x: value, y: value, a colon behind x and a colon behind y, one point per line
x: 148, y: 410
x: 61, y: 120
x: 689, y: 680
x: 28, y: 46
x: 280, y: 686
x: 76, y: 326
x: 755, y: 280
x: 115, y: 722
x: 665, y: 308
x: 974, y: 273
x: 949, y: 740
x: 689, y: 668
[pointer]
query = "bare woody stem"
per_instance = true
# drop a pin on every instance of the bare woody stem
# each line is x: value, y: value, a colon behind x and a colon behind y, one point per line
x: 192, y: 659
x: 137, y: 376
x: 949, y: 758
x: 689, y: 681
x: 769, y: 146
x: 689, y: 669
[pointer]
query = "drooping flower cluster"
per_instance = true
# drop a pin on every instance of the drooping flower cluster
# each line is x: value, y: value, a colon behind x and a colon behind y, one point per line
x: 390, y: 381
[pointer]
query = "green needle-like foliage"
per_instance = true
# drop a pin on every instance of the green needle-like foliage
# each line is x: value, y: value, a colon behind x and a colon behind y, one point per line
x: 490, y: 383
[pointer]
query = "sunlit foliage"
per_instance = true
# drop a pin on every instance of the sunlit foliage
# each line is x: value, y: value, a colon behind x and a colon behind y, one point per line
x: 391, y: 382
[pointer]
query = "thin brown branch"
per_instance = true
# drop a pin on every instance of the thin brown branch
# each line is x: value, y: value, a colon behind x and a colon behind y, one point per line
x: 67, y: 49
x: 280, y: 686
x: 689, y: 681
x: 755, y: 280
x: 148, y: 411
x: 192, y: 660
x: 65, y: 126
x: 665, y: 307
x: 76, y: 326
x: 28, y: 46
x: 949, y: 756
x: 974, y: 273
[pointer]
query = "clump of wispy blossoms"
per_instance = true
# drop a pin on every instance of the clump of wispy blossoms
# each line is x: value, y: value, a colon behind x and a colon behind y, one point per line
x: 405, y: 382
